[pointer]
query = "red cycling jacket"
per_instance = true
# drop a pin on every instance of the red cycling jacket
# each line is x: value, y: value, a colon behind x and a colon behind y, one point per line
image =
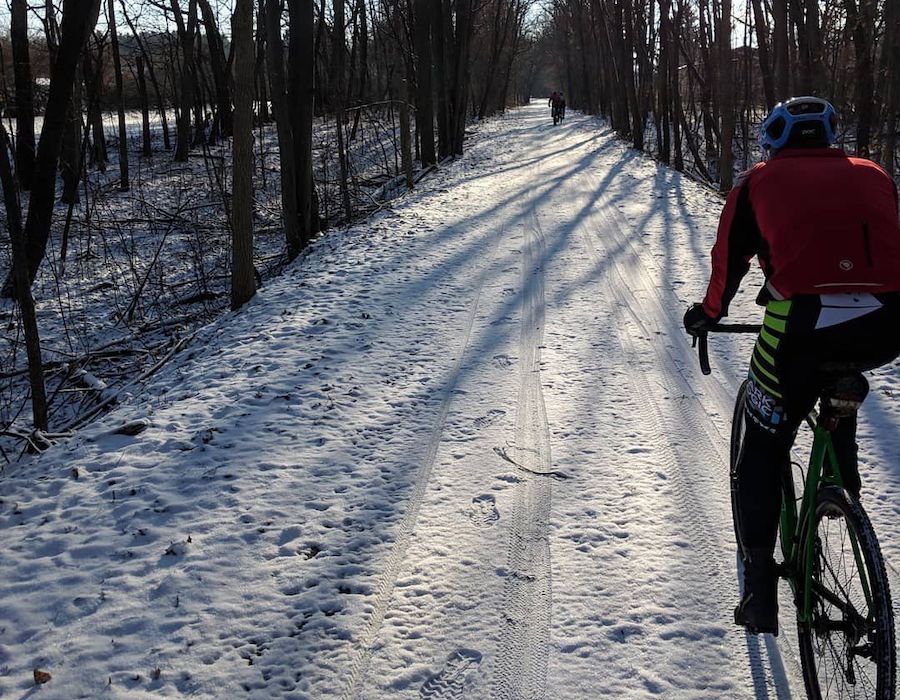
x: 819, y: 221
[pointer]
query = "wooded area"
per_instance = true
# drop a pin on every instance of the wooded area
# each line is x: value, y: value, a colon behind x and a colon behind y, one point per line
x: 690, y: 80
x: 166, y: 156
x: 240, y: 131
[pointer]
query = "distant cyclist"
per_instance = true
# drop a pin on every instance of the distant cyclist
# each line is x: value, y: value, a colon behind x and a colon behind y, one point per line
x: 562, y: 107
x: 825, y: 230
x: 554, y: 103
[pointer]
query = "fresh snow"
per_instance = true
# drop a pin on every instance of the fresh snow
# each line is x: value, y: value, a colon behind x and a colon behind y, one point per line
x: 461, y: 450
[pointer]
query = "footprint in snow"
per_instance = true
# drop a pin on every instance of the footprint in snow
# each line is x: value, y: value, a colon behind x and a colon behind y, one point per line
x: 504, y: 360
x: 483, y: 511
x: 488, y: 418
x: 450, y: 681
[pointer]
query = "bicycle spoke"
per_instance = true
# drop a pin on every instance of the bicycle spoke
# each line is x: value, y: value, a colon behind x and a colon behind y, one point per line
x: 845, y: 641
x: 844, y: 595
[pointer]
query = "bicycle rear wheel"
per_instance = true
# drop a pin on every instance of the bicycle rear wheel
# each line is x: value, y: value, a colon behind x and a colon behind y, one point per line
x: 847, y: 648
x: 738, y: 430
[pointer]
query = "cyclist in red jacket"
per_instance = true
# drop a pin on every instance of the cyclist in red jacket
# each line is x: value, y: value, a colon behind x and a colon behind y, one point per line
x: 824, y: 227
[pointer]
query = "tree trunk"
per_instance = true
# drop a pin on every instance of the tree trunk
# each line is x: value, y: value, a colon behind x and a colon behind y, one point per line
x: 892, y: 85
x: 511, y: 60
x: 710, y: 129
x: 201, y: 99
x: 460, y: 93
x: 186, y: 32
x: 22, y: 287
x: 301, y: 92
x: 243, y: 283
x: 666, y: 44
x: 440, y: 20
x: 765, y: 65
x: 70, y: 154
x: 76, y: 25
x: 726, y: 97
x: 780, y: 46
x: 146, y: 142
x: 338, y: 91
x: 637, y: 128
x: 24, y: 94
x: 587, y: 77
x: 862, y: 21
x: 405, y: 149
x: 499, y: 35
x: 275, y: 63
x: 218, y: 64
x: 424, y: 99
x: 260, y: 76
x: 161, y: 108
x: 814, y: 46
x: 623, y: 62
x: 93, y: 72
x: 675, y: 110
x: 120, y: 100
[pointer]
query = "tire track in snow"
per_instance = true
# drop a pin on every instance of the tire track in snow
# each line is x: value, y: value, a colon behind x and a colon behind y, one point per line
x: 520, y: 671
x: 722, y: 397
x: 693, y: 481
x: 388, y: 580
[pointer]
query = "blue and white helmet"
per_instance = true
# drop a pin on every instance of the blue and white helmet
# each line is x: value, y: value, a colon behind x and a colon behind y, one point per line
x: 811, y: 120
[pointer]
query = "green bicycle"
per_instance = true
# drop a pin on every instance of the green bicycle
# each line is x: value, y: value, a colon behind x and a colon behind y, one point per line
x: 831, y: 557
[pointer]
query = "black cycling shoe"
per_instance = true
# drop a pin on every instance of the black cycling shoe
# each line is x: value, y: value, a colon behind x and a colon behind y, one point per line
x: 758, y: 609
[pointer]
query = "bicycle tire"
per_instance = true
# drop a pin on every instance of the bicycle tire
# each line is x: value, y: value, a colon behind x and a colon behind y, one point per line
x: 738, y: 430
x: 854, y: 656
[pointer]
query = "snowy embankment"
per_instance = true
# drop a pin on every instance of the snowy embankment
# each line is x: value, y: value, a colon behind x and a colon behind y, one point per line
x: 461, y: 450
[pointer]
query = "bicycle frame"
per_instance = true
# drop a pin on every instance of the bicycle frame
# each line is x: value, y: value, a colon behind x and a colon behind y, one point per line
x: 816, y: 558
x: 793, y: 522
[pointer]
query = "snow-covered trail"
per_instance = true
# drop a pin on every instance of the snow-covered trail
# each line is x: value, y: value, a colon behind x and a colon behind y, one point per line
x: 461, y: 451
x: 608, y: 569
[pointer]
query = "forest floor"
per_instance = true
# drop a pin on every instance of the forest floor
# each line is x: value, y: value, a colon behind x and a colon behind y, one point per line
x: 461, y: 450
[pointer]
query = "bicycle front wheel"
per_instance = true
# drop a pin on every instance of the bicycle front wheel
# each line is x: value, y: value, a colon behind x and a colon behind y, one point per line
x: 847, y: 645
x: 738, y: 430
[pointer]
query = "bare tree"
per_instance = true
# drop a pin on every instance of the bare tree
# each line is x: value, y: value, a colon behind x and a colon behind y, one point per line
x: 424, y: 94
x: 76, y: 24
x: 148, y: 61
x: 891, y: 54
x: 301, y: 91
x: 861, y: 22
x: 275, y: 64
x: 120, y: 101
x: 187, y: 29
x: 338, y: 90
x: 218, y: 63
x: 22, y: 286
x: 24, y: 93
x: 243, y: 283
x: 726, y: 99
x: 140, y: 77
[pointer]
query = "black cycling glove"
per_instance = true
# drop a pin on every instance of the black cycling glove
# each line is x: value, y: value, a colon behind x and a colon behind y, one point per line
x: 696, y: 321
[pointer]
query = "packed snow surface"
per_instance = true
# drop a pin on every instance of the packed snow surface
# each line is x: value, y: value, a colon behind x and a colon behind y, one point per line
x: 462, y: 450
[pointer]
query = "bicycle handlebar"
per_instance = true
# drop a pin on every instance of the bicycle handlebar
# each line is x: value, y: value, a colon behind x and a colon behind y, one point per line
x: 703, y: 350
